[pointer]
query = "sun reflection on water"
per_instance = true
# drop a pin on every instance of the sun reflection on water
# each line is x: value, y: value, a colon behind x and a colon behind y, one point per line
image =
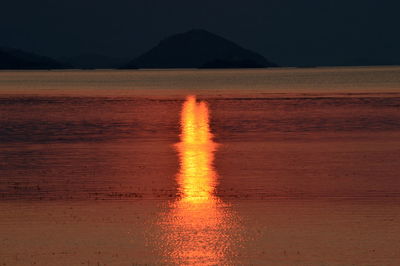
x: 200, y: 223
x: 197, y: 177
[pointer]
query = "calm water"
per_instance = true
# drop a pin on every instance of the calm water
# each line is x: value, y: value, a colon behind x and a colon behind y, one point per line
x: 276, y: 167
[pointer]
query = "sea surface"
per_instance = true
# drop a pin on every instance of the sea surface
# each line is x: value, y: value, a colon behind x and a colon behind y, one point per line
x: 296, y: 166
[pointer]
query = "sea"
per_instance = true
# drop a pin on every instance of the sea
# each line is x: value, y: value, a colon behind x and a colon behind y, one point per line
x: 280, y: 166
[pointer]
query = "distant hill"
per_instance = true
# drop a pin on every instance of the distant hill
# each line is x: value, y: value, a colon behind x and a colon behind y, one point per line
x: 17, y: 59
x: 198, y: 49
x: 92, y: 61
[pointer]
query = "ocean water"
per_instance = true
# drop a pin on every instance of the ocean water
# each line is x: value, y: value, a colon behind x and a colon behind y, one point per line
x: 228, y: 167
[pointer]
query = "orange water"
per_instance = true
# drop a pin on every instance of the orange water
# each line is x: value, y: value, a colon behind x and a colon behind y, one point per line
x: 279, y: 167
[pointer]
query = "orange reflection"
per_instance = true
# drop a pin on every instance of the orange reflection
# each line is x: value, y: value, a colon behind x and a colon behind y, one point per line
x: 199, y: 220
x: 197, y: 178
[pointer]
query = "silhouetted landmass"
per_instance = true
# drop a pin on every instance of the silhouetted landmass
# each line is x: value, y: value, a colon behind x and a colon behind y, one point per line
x: 92, y: 61
x: 245, y: 63
x: 198, y: 49
x: 17, y: 59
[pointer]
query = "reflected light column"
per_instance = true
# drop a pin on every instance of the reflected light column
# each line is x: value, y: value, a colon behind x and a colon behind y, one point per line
x: 199, y: 221
x: 197, y: 177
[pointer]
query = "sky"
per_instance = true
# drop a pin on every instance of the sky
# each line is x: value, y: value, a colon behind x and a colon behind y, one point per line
x: 288, y: 32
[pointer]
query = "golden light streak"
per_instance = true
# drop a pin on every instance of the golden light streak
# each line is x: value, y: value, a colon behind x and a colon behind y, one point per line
x: 198, y: 219
x: 197, y: 177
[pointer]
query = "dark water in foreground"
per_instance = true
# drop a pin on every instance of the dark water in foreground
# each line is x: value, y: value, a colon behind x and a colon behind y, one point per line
x: 288, y: 167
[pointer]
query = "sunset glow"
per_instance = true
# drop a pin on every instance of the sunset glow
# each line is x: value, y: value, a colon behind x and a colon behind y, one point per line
x: 197, y: 214
x: 197, y: 178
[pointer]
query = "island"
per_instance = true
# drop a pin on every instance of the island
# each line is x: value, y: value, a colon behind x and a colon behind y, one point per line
x: 198, y: 48
x: 17, y: 59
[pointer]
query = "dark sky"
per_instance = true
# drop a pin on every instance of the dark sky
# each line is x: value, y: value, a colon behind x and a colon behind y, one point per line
x: 289, y: 32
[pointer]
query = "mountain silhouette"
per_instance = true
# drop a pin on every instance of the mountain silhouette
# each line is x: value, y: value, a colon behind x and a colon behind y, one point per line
x: 198, y: 49
x: 17, y: 59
